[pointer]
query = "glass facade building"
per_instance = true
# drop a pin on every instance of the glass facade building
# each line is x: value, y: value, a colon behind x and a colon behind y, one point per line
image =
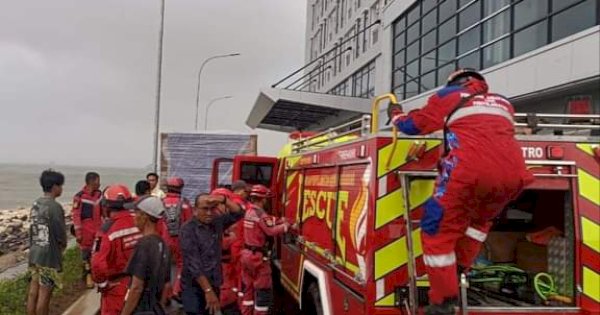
x: 433, y: 38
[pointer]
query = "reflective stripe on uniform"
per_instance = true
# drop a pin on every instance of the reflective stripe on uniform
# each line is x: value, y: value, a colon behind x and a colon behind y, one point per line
x: 124, y: 232
x: 476, y: 234
x: 90, y: 202
x: 480, y: 109
x: 443, y: 260
x: 247, y: 303
x: 261, y: 308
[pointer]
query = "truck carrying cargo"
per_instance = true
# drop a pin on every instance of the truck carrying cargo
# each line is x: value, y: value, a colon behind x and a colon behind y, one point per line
x: 191, y: 155
x: 357, y: 193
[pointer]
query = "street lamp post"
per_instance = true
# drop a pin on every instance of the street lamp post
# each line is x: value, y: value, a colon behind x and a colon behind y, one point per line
x: 208, y: 108
x: 198, y: 87
x: 158, y: 86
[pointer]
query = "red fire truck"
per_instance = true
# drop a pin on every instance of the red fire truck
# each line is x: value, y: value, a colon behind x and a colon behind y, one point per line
x: 357, y: 192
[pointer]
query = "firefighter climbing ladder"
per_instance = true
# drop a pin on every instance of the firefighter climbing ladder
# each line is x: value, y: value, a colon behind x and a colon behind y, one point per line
x: 534, y: 122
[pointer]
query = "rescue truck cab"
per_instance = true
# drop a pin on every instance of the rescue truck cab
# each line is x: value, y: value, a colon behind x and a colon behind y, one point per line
x: 356, y: 192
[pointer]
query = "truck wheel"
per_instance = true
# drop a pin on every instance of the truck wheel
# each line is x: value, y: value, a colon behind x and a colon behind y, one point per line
x: 315, y: 298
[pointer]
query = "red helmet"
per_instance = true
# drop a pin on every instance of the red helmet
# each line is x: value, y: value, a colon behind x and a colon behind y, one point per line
x: 463, y: 76
x: 115, y: 196
x: 175, y: 182
x: 261, y: 191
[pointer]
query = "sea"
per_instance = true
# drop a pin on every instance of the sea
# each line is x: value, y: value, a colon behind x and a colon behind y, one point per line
x: 19, y: 183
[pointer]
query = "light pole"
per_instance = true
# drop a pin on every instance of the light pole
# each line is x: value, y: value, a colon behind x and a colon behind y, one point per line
x: 198, y: 88
x: 208, y: 108
x: 158, y: 86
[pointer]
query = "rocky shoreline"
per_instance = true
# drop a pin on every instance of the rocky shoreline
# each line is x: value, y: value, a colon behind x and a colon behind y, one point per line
x: 14, y: 235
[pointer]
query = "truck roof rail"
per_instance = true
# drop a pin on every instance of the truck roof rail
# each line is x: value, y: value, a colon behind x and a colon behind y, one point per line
x: 358, y: 127
x: 537, y: 121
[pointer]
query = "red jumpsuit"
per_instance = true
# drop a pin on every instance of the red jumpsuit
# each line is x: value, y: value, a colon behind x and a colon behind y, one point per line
x: 483, y: 169
x: 114, y: 245
x: 256, y: 266
x: 229, y: 288
x: 87, y: 219
x: 172, y: 200
x: 233, y: 243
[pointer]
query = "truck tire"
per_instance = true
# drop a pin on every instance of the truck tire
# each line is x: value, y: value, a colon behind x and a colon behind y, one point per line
x: 315, y: 298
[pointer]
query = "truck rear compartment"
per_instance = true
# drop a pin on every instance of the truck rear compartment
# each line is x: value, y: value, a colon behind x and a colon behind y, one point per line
x: 533, y: 235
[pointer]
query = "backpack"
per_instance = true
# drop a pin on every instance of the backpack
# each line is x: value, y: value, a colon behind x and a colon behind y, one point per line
x: 172, y: 217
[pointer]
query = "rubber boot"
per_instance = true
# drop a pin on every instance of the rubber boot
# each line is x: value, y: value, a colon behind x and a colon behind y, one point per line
x: 446, y: 308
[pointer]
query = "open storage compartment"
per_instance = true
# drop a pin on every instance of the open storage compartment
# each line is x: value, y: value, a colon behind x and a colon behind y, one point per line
x: 533, y: 236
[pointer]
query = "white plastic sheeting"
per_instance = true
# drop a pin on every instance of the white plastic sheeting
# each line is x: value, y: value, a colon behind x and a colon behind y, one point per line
x: 191, y: 155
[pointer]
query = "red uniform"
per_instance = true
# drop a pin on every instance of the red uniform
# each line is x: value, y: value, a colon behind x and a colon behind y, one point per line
x: 177, y: 211
x: 114, y: 245
x: 256, y: 267
x: 230, y: 262
x: 482, y: 170
x: 87, y: 219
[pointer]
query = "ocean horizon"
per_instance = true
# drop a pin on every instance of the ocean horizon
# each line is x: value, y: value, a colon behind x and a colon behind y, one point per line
x: 19, y: 183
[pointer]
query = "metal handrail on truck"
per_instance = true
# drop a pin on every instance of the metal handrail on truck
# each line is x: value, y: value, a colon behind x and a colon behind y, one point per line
x: 369, y: 124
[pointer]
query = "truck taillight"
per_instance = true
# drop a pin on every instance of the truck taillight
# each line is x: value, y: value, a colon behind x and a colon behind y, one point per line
x: 554, y: 152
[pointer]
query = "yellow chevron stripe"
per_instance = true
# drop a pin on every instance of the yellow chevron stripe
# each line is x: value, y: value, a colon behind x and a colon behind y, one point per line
x: 395, y: 254
x: 591, y: 233
x: 588, y: 186
x: 388, y: 300
x: 423, y: 283
x: 591, y: 284
x: 390, y: 257
x: 586, y: 147
x: 391, y: 206
x: 292, y: 161
x: 399, y: 157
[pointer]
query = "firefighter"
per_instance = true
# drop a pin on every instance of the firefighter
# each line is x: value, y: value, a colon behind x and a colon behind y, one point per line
x: 256, y: 267
x: 235, y: 234
x: 482, y: 169
x: 228, y: 297
x: 87, y: 219
x: 178, y: 210
x: 113, y: 246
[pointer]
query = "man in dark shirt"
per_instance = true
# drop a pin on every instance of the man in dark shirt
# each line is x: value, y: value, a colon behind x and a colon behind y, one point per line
x: 200, y: 240
x: 48, y: 239
x: 149, y: 265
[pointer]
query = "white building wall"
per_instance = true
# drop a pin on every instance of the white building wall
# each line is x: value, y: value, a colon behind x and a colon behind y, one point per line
x: 352, y: 11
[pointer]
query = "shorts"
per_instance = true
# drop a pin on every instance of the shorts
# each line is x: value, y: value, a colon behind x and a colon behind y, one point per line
x: 46, y: 276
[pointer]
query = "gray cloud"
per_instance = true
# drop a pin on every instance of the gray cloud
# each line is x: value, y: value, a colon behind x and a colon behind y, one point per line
x: 77, y: 78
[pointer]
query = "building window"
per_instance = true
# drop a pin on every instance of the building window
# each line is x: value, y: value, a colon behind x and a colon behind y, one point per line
x: 433, y: 38
x: 573, y: 20
x: 362, y: 83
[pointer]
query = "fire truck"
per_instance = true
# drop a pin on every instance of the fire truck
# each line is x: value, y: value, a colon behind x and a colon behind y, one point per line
x: 357, y: 191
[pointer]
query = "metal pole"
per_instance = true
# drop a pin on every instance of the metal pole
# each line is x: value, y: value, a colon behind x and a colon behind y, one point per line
x: 208, y: 108
x: 158, y: 86
x: 198, y: 87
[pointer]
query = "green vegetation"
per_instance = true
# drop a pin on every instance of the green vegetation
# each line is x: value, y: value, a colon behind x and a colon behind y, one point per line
x: 13, y: 293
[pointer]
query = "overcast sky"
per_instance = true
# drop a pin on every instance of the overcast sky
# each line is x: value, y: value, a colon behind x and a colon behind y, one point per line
x: 78, y: 78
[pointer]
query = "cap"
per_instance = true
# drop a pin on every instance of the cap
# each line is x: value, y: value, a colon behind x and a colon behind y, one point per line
x: 150, y: 205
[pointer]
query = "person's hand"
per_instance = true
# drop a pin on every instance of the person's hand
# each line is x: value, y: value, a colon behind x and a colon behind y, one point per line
x: 215, y: 199
x: 286, y: 226
x: 394, y: 112
x: 212, y: 302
